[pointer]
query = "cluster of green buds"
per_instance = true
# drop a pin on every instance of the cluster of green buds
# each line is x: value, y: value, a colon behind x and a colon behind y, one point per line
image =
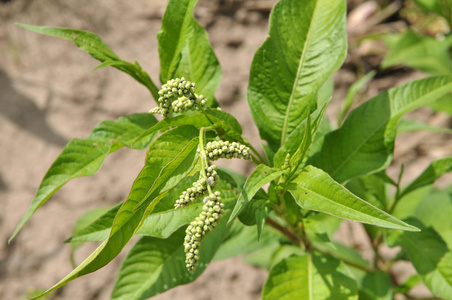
x: 209, y: 218
x: 224, y: 149
x: 178, y: 95
x: 199, y: 187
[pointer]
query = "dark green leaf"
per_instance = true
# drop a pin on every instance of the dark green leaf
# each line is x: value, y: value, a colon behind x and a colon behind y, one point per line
x: 431, y: 258
x: 354, y: 88
x: 85, y: 157
x: 92, y: 44
x: 315, y: 190
x: 376, y: 285
x: 185, y: 51
x: 154, y: 265
x: 365, y: 142
x: 305, y: 45
x: 170, y: 158
x: 370, y: 188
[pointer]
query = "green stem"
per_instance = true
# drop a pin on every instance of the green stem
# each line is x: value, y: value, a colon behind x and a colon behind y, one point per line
x: 202, y: 153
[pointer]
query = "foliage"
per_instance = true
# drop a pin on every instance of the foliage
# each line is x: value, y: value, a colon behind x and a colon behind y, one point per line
x: 188, y: 212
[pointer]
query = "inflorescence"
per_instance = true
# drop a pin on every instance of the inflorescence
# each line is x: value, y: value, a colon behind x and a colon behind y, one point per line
x: 178, y: 95
x: 209, y: 218
x: 199, y: 187
x: 225, y: 149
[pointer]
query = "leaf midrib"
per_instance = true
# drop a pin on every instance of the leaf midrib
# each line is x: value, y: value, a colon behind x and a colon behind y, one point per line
x: 297, y: 78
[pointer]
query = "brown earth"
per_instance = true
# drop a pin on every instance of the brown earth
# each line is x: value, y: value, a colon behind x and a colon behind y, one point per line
x: 48, y: 96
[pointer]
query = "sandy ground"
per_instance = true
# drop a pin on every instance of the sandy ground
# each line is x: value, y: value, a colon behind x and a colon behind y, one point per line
x: 48, y: 96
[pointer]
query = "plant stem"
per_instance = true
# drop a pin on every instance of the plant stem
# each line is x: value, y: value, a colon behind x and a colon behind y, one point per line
x: 203, y: 157
x: 283, y: 230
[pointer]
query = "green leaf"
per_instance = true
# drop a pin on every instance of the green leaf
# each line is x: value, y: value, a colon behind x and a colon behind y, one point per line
x: 84, y: 221
x: 299, y: 142
x: 85, y: 157
x: 307, y: 278
x: 260, y: 176
x: 223, y: 122
x: 155, y: 265
x: 98, y: 230
x: 434, y: 211
x: 421, y: 52
x: 443, y: 104
x: 185, y: 51
x: 364, y: 143
x: 163, y: 224
x: 91, y: 43
x: 376, y: 285
x: 305, y: 45
x: 430, y: 257
x: 244, y: 240
x: 255, y: 213
x: 169, y: 159
x: 434, y: 171
x: 370, y: 188
x: 315, y: 190
x: 407, y: 125
x: 354, y: 88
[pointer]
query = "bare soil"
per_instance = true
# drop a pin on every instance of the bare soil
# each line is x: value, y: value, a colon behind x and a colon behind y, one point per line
x: 48, y: 96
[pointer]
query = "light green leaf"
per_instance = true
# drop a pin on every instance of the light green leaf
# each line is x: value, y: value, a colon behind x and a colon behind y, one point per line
x: 155, y: 265
x: 443, y: 104
x: 305, y: 45
x: 84, y: 221
x: 421, y: 52
x: 430, y: 257
x: 92, y: 44
x: 244, y: 240
x: 364, y: 143
x: 434, y: 171
x: 260, y: 176
x: 299, y: 143
x: 163, y: 224
x: 170, y: 158
x: 185, y: 51
x: 98, y: 230
x: 315, y: 190
x: 85, y: 157
x: 308, y: 278
x: 408, y: 125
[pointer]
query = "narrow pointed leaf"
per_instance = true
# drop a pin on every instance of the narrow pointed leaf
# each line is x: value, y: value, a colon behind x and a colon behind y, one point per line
x: 260, y: 176
x: 364, y: 143
x: 85, y: 157
x: 169, y: 159
x: 434, y: 171
x: 309, y: 278
x: 155, y: 265
x: 315, y: 190
x: 305, y: 45
x: 185, y: 51
x: 92, y: 44
x: 408, y: 125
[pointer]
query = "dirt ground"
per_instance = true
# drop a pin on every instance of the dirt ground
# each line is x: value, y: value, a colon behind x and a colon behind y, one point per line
x: 48, y: 96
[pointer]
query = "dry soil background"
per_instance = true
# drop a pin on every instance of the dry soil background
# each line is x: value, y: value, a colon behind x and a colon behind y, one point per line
x: 48, y: 96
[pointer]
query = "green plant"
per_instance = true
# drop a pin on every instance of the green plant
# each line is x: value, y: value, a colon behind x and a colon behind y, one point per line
x: 284, y: 213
